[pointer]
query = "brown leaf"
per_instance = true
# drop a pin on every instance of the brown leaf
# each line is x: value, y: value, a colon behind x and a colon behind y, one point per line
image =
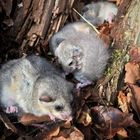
x: 67, y: 124
x: 132, y: 72
x: 135, y: 100
x: 118, y: 2
x: 28, y: 119
x: 122, y: 133
x: 135, y: 54
x: 85, y: 119
x: 110, y: 120
x: 52, y: 133
x: 74, y: 135
x: 105, y: 29
x: 122, y: 102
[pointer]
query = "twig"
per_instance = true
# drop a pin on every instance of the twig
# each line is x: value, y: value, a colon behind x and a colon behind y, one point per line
x: 7, y: 122
x: 94, y: 28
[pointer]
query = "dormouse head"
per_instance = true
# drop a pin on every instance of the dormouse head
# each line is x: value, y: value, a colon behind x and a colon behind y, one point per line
x: 91, y: 10
x: 69, y: 56
x: 54, y: 96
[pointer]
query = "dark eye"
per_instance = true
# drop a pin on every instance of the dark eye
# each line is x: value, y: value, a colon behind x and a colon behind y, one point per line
x: 85, y: 9
x: 59, y: 107
x: 70, y: 63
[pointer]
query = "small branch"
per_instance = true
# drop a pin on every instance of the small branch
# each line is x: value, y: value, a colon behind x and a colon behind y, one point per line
x: 94, y: 28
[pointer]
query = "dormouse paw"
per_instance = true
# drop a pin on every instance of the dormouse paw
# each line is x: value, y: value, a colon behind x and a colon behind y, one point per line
x: 11, y: 109
x: 81, y: 85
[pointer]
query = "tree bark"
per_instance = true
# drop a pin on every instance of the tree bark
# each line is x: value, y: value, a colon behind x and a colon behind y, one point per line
x: 29, y: 23
x: 126, y: 34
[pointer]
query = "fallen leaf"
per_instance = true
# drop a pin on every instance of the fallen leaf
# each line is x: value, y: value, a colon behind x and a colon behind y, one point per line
x: 74, y: 135
x: 135, y: 54
x: 67, y: 124
x: 85, y: 119
x: 132, y: 73
x: 119, y: 2
x: 52, y: 133
x: 28, y: 119
x: 135, y: 100
x: 122, y: 102
x: 105, y: 29
x: 122, y: 133
x: 110, y: 120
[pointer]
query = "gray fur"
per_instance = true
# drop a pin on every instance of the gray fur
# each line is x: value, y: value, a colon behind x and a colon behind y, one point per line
x: 98, y: 12
x: 91, y: 58
x: 68, y: 31
x: 25, y: 80
x: 81, y: 52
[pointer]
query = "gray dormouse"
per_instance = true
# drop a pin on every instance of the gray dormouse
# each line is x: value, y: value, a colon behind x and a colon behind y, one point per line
x: 68, y: 31
x: 32, y: 85
x: 81, y: 52
x: 98, y: 12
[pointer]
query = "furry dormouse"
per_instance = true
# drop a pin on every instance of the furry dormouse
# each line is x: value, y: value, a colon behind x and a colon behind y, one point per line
x: 85, y: 56
x: 33, y: 85
x: 80, y: 51
x: 98, y: 12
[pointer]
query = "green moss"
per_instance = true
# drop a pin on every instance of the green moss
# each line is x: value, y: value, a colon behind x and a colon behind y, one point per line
x: 117, y: 61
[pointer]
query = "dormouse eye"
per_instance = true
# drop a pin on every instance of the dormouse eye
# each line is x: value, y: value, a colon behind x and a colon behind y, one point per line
x: 59, y: 107
x: 71, y: 63
x: 45, y: 98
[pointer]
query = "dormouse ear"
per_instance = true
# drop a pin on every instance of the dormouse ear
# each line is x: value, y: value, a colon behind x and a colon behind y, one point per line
x: 45, y: 98
x: 85, y: 9
x: 77, y: 52
x: 59, y: 40
x: 28, y: 70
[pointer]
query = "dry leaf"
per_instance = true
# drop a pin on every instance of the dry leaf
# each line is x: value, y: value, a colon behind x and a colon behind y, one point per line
x: 28, y: 119
x: 119, y: 2
x: 74, y: 135
x: 67, y: 124
x: 135, y: 54
x: 122, y: 102
x: 135, y: 100
x: 122, y: 133
x: 132, y: 72
x: 110, y: 120
x: 85, y: 119
x: 52, y: 133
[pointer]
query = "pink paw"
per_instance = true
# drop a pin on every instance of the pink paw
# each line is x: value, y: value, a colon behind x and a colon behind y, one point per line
x: 11, y: 109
